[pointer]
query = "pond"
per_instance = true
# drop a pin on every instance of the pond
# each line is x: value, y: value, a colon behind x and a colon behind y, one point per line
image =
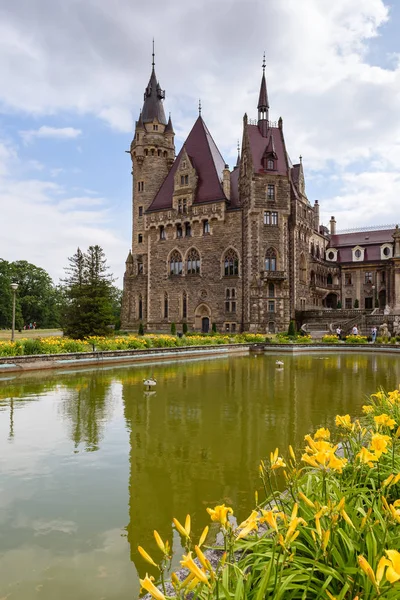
x: 90, y: 464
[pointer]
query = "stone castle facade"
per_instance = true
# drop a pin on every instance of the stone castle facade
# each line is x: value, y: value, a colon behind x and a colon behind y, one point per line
x: 242, y: 249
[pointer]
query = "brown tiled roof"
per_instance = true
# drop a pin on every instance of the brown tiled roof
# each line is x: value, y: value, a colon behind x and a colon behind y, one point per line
x: 259, y: 144
x: 209, y: 165
x: 235, y: 188
x: 370, y: 240
x: 153, y: 107
x: 169, y: 128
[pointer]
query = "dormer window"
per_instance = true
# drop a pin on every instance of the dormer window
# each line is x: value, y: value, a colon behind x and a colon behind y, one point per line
x: 386, y: 251
x: 155, y: 127
x: 270, y: 165
x: 184, y: 179
x: 358, y: 253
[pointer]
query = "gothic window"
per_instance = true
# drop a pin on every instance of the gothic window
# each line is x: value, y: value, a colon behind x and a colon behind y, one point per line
x: 231, y: 263
x: 140, y: 238
x: 155, y: 127
x: 368, y: 277
x: 302, y: 269
x: 270, y: 164
x: 271, y: 290
x: 146, y: 152
x: 271, y: 306
x: 179, y: 231
x: 206, y: 227
x: 184, y: 305
x: 165, y: 305
x: 140, y: 186
x: 140, y: 211
x: 162, y: 233
x: 312, y: 249
x: 140, y: 267
x: 270, y: 192
x: 347, y: 279
x: 140, y: 308
x: 230, y: 300
x: 152, y: 151
x: 158, y: 152
x: 270, y: 260
x: 193, y: 262
x: 175, y: 263
x: 188, y: 229
x: 274, y: 218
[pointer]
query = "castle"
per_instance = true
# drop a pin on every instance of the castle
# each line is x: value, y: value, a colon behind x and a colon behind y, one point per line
x: 242, y: 249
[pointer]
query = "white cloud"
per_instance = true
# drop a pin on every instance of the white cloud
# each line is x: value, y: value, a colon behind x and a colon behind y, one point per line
x: 57, y: 133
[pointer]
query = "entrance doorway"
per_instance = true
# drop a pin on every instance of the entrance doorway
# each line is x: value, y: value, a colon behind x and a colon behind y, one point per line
x: 205, y: 325
x: 331, y: 300
x: 382, y: 299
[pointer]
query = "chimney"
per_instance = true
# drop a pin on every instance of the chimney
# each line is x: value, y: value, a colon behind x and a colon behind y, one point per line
x: 316, y: 215
x: 332, y: 224
x: 226, y: 182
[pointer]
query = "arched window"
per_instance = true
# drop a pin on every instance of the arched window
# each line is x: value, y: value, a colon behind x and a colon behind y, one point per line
x: 312, y: 249
x: 146, y: 152
x: 188, y: 228
x: 206, y: 227
x: 179, y: 231
x: 302, y: 269
x: 312, y: 277
x: 271, y: 327
x: 165, y: 305
x: 165, y: 154
x: 158, y: 152
x: 271, y: 290
x: 140, y: 308
x: 184, y: 305
x: 162, y: 233
x: 193, y: 262
x: 175, y: 263
x: 329, y: 279
x: 317, y: 252
x: 270, y: 260
x: 231, y: 263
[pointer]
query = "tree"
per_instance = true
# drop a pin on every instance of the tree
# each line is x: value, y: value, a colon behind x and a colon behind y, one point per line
x: 184, y: 328
x: 292, y: 328
x: 173, y: 328
x: 89, y: 295
x: 356, y: 303
x: 141, y: 328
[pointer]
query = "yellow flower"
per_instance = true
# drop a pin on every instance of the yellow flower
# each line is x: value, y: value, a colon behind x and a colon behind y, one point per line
x: 336, y: 463
x: 220, y: 514
x: 295, y: 521
x: 395, y: 511
x: 306, y: 500
x: 183, y: 530
x: 188, y: 563
x: 393, y: 570
x: 250, y: 524
x: 394, y: 396
x: 276, y: 461
x: 149, y: 586
x: 385, y: 421
x: 322, y: 434
x: 366, y: 457
x: 146, y: 556
x: 269, y: 517
x: 159, y: 542
x: 379, y: 444
x: 366, y: 567
x: 343, y: 421
x: 203, y: 536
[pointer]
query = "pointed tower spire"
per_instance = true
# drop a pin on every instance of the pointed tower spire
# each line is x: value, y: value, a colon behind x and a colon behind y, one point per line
x: 263, y: 104
x: 153, y: 96
x: 238, y: 156
x: 199, y: 107
x: 169, y: 128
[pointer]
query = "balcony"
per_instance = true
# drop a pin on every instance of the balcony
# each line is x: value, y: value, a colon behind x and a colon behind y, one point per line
x: 275, y: 275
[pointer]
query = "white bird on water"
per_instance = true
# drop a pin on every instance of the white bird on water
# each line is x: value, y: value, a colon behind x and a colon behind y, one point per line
x: 150, y: 382
x: 279, y: 363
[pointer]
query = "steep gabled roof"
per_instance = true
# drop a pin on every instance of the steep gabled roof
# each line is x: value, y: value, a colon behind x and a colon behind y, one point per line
x: 209, y: 165
x: 260, y: 144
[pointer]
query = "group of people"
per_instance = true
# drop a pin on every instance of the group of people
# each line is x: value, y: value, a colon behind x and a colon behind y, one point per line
x: 355, y: 331
x: 30, y: 326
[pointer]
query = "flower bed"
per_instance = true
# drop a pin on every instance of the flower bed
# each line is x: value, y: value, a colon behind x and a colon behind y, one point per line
x: 333, y: 535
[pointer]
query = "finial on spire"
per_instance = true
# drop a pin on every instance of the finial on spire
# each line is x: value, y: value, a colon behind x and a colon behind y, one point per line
x: 301, y: 159
x: 238, y: 147
x: 199, y: 107
x: 263, y: 65
x: 153, y: 62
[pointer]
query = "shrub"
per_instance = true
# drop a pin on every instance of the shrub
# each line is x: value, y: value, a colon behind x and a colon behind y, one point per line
x: 330, y: 339
x: 33, y: 346
x: 356, y: 339
x: 356, y: 303
x: 184, y: 328
x: 141, y: 328
x: 214, y: 328
x: 334, y: 534
x: 339, y: 304
x: 292, y: 328
x: 173, y: 328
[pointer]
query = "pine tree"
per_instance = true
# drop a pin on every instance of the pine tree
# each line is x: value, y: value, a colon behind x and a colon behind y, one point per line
x: 88, y: 290
x: 173, y: 328
x: 292, y: 329
x: 184, y: 328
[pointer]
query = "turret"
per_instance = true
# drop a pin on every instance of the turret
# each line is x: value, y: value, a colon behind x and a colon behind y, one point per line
x: 316, y: 215
x: 263, y: 105
x: 332, y: 224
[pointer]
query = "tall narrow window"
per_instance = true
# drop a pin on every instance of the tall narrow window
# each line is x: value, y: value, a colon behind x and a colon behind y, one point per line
x: 368, y: 277
x: 182, y: 179
x: 155, y: 127
x: 231, y: 263
x: 186, y: 179
x: 140, y: 307
x: 193, y: 262
x: 274, y: 218
x: 271, y: 306
x: 184, y: 305
x: 267, y: 217
x: 140, y: 186
x: 175, y: 263
x: 230, y: 300
x: 179, y: 231
x: 270, y: 192
x: 180, y: 206
x: 206, y: 227
x: 347, y: 279
x: 270, y: 165
x: 184, y: 204
x: 140, y: 238
x: 162, y: 233
x: 188, y: 230
x: 140, y: 211
x: 165, y: 305
x: 140, y: 267
x: 271, y: 290
x: 270, y: 260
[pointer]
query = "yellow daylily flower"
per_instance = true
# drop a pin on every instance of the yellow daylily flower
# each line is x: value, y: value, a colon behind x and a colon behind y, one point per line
x: 159, y: 542
x: 203, y: 560
x: 347, y: 518
x: 394, y: 396
x: 292, y: 454
x: 384, y: 420
x: 181, y: 528
x: 203, y: 536
x: 306, y: 500
x: 343, y: 421
x: 188, y: 563
x: 367, y: 409
x: 366, y: 567
x: 220, y: 514
x: 149, y: 586
x: 325, y: 540
x: 250, y: 524
x: 393, y: 569
x: 276, y: 461
x: 379, y: 444
x: 322, y: 434
x: 336, y: 463
x: 187, y: 525
x: 295, y: 521
x: 366, y: 457
x: 269, y: 517
x: 146, y: 556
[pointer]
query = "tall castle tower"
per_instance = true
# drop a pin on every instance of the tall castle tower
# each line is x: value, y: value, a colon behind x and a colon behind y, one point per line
x: 152, y: 153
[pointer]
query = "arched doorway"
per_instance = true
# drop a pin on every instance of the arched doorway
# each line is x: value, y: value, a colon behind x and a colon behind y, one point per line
x: 331, y: 301
x: 202, y: 318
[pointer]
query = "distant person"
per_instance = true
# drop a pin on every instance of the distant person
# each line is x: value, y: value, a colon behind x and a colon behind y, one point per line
x: 354, y: 331
x: 339, y: 333
x: 34, y: 325
x: 30, y: 325
x: 373, y: 334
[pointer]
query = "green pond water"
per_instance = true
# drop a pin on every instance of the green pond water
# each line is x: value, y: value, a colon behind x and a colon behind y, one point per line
x: 90, y: 464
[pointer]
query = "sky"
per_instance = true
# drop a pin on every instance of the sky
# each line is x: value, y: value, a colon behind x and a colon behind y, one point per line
x: 73, y: 73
